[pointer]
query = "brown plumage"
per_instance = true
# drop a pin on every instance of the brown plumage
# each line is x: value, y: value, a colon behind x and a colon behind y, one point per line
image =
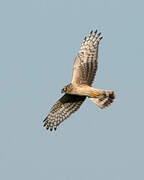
x: 63, y: 108
x: 84, y: 70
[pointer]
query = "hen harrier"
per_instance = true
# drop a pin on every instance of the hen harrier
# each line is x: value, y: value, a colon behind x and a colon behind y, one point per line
x: 84, y: 70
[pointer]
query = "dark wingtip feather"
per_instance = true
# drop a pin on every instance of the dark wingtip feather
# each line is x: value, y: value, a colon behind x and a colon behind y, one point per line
x: 45, y: 119
x: 99, y: 34
x: 95, y: 31
x: 45, y: 124
x: 47, y: 127
x: 91, y: 32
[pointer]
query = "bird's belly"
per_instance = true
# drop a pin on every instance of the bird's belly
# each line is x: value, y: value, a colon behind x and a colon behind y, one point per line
x: 84, y: 90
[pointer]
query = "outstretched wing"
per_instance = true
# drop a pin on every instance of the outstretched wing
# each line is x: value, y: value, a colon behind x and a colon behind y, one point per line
x: 85, y: 64
x: 63, y: 108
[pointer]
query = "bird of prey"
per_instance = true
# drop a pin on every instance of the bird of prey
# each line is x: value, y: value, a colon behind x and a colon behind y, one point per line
x: 75, y: 93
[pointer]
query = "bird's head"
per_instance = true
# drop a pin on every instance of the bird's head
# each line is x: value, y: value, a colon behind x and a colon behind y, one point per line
x: 64, y: 90
x: 67, y: 89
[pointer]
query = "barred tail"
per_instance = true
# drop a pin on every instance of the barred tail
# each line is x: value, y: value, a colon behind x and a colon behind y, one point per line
x: 105, y: 98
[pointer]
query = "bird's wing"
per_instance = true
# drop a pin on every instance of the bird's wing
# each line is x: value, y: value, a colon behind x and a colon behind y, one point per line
x: 85, y: 64
x: 63, y: 108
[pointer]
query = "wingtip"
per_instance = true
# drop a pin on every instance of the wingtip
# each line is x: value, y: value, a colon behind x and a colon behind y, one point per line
x: 44, y: 119
x: 47, y: 127
x: 99, y: 34
x: 91, y: 32
x: 101, y: 37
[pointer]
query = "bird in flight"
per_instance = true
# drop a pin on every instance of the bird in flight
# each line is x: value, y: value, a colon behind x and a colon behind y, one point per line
x: 75, y: 93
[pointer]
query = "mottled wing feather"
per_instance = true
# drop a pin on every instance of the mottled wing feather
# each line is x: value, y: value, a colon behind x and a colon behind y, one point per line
x: 85, y: 64
x: 63, y: 108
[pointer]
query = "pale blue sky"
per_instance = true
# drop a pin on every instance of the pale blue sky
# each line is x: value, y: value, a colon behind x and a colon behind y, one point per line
x: 39, y: 40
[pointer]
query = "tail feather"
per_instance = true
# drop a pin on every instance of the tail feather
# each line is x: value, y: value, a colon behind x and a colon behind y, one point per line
x: 105, y: 99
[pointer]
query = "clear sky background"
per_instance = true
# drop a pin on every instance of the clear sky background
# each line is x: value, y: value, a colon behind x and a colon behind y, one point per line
x: 39, y: 40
